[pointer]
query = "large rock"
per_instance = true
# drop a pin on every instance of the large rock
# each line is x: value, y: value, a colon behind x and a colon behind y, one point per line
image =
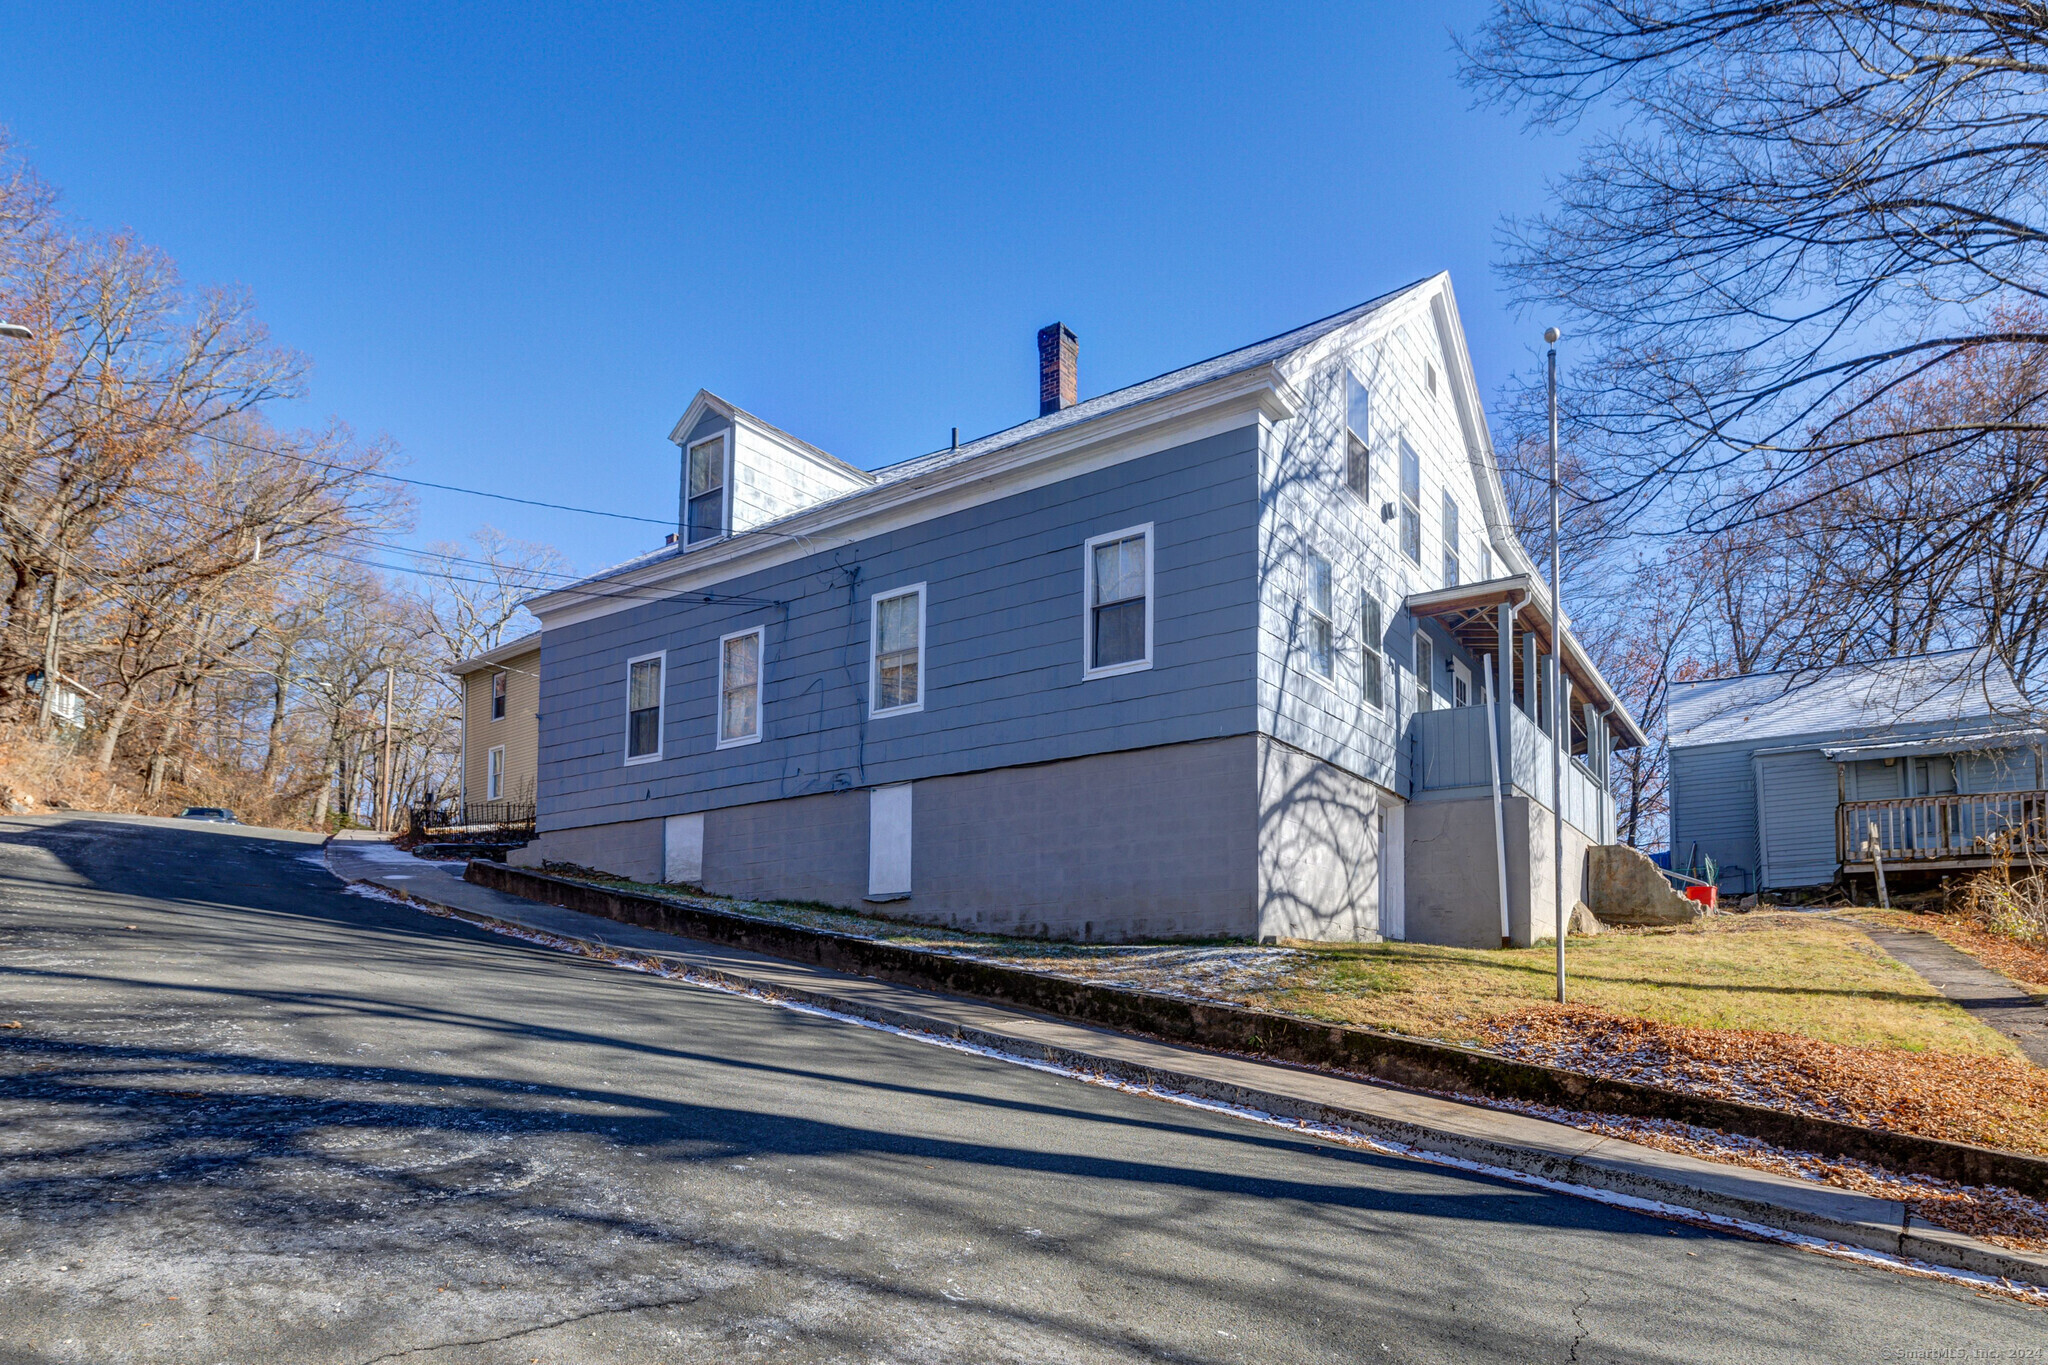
x: 1624, y: 887
x: 1582, y: 920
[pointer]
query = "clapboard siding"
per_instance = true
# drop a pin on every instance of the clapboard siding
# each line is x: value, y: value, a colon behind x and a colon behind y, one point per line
x: 1309, y: 509
x: 517, y: 731
x: 1796, y: 794
x: 1713, y: 811
x: 1003, y: 660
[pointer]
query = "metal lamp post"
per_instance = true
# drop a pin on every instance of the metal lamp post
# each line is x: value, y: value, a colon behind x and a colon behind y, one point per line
x: 1559, y: 726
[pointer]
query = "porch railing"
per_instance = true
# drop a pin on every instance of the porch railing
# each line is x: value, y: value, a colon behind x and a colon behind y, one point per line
x: 512, y: 816
x: 1923, y: 829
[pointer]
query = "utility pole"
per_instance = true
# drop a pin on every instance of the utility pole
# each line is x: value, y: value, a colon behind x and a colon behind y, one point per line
x: 384, y: 768
x: 50, y: 643
x: 1560, y: 726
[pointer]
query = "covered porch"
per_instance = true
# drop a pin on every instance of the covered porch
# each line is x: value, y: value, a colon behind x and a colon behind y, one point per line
x: 1483, y: 863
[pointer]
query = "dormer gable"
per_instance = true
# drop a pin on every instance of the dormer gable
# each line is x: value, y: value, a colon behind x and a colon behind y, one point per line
x: 739, y: 472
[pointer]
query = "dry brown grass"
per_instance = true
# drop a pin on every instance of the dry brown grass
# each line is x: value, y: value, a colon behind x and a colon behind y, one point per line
x: 57, y: 776
x: 1813, y: 976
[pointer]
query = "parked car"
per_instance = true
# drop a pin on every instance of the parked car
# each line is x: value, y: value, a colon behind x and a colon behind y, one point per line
x: 213, y: 813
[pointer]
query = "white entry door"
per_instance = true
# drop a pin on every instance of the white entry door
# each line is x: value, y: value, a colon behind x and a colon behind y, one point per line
x: 1393, y: 890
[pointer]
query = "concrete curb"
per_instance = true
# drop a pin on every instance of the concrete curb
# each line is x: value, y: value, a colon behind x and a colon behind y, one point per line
x: 1334, y: 1049
x: 1912, y: 1241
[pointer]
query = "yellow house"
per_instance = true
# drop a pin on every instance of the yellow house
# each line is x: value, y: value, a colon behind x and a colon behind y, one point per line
x: 500, y: 731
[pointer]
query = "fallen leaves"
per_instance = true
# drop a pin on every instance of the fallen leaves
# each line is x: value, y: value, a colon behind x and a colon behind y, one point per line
x: 1991, y: 1101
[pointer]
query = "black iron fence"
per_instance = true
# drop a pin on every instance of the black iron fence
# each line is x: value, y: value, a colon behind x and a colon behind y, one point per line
x: 512, y: 817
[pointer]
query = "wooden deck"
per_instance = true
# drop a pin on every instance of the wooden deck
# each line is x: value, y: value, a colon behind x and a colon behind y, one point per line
x: 1944, y: 833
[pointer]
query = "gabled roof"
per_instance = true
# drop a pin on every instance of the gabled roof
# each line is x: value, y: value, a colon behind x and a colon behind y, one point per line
x: 732, y: 412
x: 1187, y: 377
x: 1957, y: 687
x: 511, y: 649
x: 645, y: 575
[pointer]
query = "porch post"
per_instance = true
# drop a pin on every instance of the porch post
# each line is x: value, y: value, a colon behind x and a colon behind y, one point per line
x: 1532, y: 684
x: 1503, y: 695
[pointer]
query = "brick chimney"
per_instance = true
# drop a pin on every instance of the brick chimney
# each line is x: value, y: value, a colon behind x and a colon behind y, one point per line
x: 1058, y: 355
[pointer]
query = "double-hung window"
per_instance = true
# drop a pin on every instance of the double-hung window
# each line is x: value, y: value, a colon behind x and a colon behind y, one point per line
x: 497, y: 696
x: 1370, y: 630
x: 494, y: 774
x: 643, y: 708
x: 705, y: 518
x: 739, y: 688
x: 1411, y: 503
x: 1118, y: 611
x: 1357, y: 436
x: 1321, y: 628
x: 1425, y: 671
x: 897, y: 681
x: 1450, y: 542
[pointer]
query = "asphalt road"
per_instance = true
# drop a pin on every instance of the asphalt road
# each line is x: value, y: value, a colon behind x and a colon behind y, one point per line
x: 248, y: 1117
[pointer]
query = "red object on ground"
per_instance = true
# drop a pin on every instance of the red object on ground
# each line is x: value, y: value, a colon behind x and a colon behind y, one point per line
x: 1705, y: 895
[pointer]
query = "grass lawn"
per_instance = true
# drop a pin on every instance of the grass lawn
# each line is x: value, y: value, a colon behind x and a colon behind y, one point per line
x: 1812, y: 975
x: 1799, y: 1011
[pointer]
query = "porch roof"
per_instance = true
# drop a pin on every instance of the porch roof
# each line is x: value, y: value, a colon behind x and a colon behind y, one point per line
x: 1470, y: 612
x: 1976, y: 741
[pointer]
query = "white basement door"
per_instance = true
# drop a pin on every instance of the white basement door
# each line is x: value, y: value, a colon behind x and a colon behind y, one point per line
x: 889, y: 842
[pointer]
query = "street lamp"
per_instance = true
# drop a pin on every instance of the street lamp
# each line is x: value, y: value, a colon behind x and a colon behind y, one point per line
x: 14, y: 331
x: 1560, y: 726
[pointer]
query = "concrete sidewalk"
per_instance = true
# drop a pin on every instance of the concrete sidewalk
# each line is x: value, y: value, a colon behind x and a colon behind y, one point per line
x: 1988, y: 995
x: 1424, y: 1123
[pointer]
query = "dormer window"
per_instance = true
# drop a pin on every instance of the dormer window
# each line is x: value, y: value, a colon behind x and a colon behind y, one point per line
x: 705, y: 519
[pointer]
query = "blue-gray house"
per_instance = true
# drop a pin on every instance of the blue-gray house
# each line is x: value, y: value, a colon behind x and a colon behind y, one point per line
x: 1794, y: 780
x: 1203, y: 656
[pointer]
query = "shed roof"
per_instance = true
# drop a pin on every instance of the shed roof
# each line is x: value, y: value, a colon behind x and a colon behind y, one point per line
x: 1957, y: 687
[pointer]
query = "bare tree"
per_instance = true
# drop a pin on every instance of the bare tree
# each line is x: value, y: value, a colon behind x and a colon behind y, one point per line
x: 1794, y: 210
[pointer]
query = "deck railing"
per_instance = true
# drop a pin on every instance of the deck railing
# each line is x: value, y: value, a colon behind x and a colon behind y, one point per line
x: 1953, y: 828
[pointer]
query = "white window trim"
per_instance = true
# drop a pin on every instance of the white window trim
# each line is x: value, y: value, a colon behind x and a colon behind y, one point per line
x: 725, y: 471
x: 660, y: 708
x: 1373, y: 645
x: 760, y: 686
x: 494, y: 773
x: 1088, y: 671
x: 506, y: 678
x: 1309, y: 613
x: 875, y: 653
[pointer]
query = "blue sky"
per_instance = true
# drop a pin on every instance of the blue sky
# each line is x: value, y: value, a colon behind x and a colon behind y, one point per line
x: 519, y: 239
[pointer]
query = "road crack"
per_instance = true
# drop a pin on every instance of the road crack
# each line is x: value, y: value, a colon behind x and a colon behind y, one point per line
x: 569, y: 1321
x: 1585, y: 1297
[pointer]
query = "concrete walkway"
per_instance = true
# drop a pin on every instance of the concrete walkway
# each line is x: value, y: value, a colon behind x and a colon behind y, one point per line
x: 1987, y: 995
x: 1424, y: 1123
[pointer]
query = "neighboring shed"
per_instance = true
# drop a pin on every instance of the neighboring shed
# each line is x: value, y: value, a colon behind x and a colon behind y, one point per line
x: 1778, y: 777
